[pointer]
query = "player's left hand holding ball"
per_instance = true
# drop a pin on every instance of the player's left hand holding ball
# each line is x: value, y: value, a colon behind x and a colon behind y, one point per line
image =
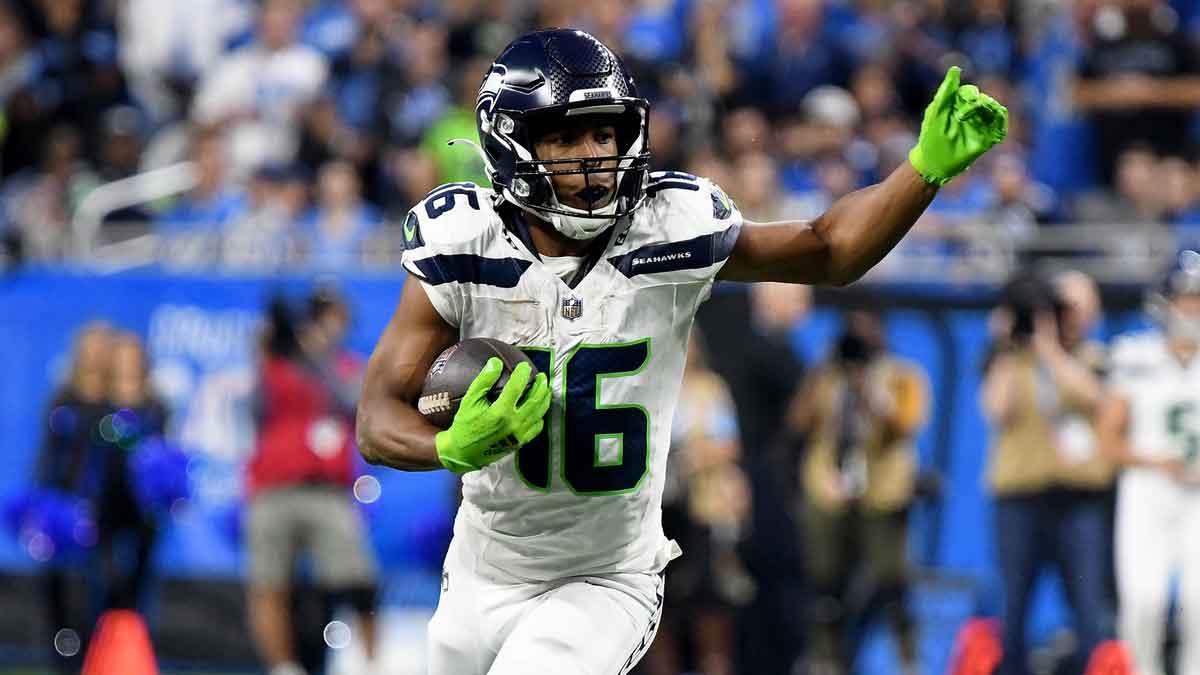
x: 960, y: 124
x: 483, y: 432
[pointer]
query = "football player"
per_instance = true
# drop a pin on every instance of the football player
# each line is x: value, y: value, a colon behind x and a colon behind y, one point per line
x: 595, y: 266
x: 1150, y: 423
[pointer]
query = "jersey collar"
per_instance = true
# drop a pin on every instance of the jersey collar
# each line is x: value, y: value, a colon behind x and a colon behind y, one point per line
x: 514, y: 220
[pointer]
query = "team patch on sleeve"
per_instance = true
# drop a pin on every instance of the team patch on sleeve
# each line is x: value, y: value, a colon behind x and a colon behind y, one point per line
x: 412, y: 233
x: 722, y: 205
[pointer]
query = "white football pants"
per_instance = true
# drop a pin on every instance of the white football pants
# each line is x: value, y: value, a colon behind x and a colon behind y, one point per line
x: 596, y: 625
x: 1158, y: 539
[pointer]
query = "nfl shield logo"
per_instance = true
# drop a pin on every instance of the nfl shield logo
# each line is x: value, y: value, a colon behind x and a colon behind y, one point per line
x: 572, y: 308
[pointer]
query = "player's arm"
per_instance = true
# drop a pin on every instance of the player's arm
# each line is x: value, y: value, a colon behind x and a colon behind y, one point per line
x: 840, y: 245
x: 390, y: 431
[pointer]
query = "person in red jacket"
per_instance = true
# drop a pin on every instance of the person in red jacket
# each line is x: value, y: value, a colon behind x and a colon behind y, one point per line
x: 299, y: 478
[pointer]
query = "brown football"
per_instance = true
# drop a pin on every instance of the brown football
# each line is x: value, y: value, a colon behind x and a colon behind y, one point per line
x: 453, y: 371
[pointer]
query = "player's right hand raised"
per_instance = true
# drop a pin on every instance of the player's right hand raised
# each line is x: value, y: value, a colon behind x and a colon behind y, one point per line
x: 483, y: 432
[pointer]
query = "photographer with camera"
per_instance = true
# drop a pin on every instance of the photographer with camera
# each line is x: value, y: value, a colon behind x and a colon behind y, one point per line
x: 1052, y: 489
x: 861, y: 411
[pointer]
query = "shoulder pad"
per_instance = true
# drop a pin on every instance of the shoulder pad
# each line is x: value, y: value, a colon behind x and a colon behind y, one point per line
x: 451, y: 215
x: 689, y: 205
x: 1136, y: 350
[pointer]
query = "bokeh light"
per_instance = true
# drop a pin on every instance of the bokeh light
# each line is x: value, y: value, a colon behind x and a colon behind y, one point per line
x: 337, y: 635
x: 67, y: 642
x: 40, y: 547
x: 367, y: 489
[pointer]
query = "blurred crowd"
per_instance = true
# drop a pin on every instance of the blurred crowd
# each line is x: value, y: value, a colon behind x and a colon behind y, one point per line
x: 312, y: 123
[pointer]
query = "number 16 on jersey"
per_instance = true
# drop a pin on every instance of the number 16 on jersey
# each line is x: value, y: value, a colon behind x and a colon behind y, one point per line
x: 603, y: 447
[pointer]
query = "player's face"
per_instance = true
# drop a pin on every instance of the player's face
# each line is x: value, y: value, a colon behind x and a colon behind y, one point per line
x: 1187, y: 306
x: 584, y: 141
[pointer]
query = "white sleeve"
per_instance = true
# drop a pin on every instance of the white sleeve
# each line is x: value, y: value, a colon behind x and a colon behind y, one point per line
x: 425, y: 265
x: 726, y: 224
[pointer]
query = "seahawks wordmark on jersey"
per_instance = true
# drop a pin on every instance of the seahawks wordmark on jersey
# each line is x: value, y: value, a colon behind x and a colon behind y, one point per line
x: 585, y: 496
x: 1163, y: 395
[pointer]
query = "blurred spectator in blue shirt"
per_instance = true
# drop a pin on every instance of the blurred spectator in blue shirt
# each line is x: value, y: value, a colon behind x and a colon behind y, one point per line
x: 964, y: 200
x: 264, y: 239
x: 213, y: 203
x: 987, y: 38
x: 655, y: 33
x: 1059, y: 136
x: 835, y: 178
x: 805, y: 57
x: 331, y: 26
x: 336, y: 230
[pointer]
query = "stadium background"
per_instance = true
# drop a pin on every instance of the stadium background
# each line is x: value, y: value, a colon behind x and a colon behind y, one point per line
x: 786, y: 104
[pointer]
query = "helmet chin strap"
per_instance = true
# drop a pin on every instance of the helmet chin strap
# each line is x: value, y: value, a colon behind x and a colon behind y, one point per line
x: 578, y: 227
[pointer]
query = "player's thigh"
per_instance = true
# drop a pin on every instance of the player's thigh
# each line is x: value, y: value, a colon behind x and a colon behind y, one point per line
x: 338, y: 540
x: 1145, y: 544
x: 583, y: 628
x: 457, y: 641
x: 1188, y: 535
x: 273, y: 533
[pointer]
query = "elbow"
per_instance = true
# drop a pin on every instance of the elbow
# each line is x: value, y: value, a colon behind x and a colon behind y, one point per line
x: 841, y: 279
x: 365, y: 449
x: 844, y: 267
x: 365, y: 440
x: 843, y: 274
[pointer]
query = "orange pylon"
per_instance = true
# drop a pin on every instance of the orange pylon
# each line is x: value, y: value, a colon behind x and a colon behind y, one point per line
x: 120, y: 646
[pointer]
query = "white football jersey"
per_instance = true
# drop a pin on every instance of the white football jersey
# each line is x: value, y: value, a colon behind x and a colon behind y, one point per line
x: 584, y: 497
x: 1163, y: 395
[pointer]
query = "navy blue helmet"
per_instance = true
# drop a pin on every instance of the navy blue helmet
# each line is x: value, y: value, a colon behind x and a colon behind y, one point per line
x: 1181, y: 279
x: 537, y: 83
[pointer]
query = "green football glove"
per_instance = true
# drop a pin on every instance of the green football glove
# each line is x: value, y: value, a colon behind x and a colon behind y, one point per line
x: 960, y: 124
x: 483, y: 432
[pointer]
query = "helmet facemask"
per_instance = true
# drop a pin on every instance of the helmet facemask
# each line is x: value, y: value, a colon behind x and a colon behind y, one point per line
x: 531, y: 185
